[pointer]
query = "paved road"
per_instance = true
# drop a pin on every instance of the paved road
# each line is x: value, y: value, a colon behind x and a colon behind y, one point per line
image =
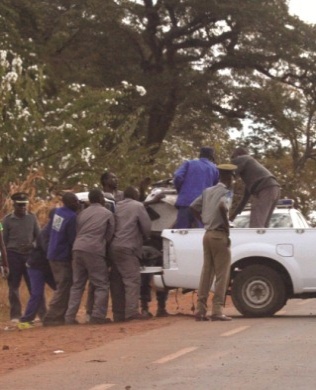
x: 268, y: 353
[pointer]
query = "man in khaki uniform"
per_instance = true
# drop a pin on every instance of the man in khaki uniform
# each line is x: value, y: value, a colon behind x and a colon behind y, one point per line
x: 212, y: 208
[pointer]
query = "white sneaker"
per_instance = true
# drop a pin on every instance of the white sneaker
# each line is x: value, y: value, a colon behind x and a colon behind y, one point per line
x: 15, y: 320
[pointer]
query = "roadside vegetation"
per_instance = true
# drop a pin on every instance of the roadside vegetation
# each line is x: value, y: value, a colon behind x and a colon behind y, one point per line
x: 138, y: 86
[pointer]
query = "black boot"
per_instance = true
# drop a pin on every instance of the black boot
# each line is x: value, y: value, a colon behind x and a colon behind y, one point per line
x: 145, y: 310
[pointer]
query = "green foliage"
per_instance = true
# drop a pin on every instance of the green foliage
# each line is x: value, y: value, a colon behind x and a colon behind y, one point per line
x: 68, y: 136
x: 196, y: 53
x: 206, y: 65
x: 283, y: 131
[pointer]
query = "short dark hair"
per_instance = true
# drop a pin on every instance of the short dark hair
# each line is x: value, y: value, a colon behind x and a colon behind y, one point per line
x: 69, y: 199
x: 104, y: 177
x: 240, y: 151
x: 95, y: 196
x: 207, y: 152
x: 131, y: 193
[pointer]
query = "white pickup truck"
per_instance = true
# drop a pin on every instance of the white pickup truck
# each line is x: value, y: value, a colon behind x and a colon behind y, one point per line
x: 269, y: 266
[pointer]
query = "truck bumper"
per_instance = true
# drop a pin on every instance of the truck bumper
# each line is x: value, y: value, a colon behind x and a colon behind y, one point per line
x: 158, y: 281
x: 150, y: 270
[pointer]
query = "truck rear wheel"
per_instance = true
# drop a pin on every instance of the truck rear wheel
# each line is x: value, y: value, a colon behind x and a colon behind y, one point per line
x: 258, y: 291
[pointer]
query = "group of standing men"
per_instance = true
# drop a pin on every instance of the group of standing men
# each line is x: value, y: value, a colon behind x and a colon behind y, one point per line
x: 205, y: 198
x: 76, y: 246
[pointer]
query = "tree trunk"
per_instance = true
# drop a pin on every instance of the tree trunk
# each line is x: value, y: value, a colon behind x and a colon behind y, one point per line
x: 161, y: 116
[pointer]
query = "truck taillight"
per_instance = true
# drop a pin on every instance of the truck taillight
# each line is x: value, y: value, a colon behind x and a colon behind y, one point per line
x: 169, y: 256
x: 166, y: 256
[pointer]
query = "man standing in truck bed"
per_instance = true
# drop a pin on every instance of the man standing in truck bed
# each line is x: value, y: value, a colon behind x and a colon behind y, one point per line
x: 260, y: 184
x: 190, y: 180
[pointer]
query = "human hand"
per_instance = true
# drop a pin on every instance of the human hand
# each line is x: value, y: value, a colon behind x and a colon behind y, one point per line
x: 232, y: 217
x: 158, y: 197
x: 145, y: 182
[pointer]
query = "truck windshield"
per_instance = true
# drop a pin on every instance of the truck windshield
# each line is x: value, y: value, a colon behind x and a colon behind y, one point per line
x: 277, y: 221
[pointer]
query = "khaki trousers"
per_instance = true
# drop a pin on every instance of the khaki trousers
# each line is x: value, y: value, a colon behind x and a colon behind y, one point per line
x: 217, y: 259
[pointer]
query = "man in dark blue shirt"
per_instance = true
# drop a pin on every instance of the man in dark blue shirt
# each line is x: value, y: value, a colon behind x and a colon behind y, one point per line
x: 62, y: 233
x: 190, y: 180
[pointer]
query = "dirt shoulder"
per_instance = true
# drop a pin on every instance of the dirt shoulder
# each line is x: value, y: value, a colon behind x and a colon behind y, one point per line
x: 28, y: 347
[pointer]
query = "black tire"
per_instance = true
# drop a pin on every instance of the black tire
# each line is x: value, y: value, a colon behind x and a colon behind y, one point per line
x: 258, y: 291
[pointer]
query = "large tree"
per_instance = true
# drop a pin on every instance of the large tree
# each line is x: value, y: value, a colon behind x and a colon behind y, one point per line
x: 283, y: 131
x: 188, y: 54
x: 204, y: 63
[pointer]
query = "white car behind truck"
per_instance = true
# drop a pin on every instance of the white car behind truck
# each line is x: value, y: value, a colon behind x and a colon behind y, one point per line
x: 269, y: 266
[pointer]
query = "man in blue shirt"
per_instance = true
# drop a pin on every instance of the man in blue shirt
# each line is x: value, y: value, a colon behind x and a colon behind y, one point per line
x: 190, y: 180
x: 62, y: 233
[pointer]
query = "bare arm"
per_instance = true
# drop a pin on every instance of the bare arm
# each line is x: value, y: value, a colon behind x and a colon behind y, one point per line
x: 196, y: 208
x: 196, y: 214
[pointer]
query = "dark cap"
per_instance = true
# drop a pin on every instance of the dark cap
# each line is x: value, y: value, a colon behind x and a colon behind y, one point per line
x: 207, y: 152
x: 20, y: 198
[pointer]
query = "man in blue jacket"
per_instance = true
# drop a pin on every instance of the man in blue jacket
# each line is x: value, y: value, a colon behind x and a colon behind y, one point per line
x: 62, y: 233
x: 190, y: 180
x: 40, y: 274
